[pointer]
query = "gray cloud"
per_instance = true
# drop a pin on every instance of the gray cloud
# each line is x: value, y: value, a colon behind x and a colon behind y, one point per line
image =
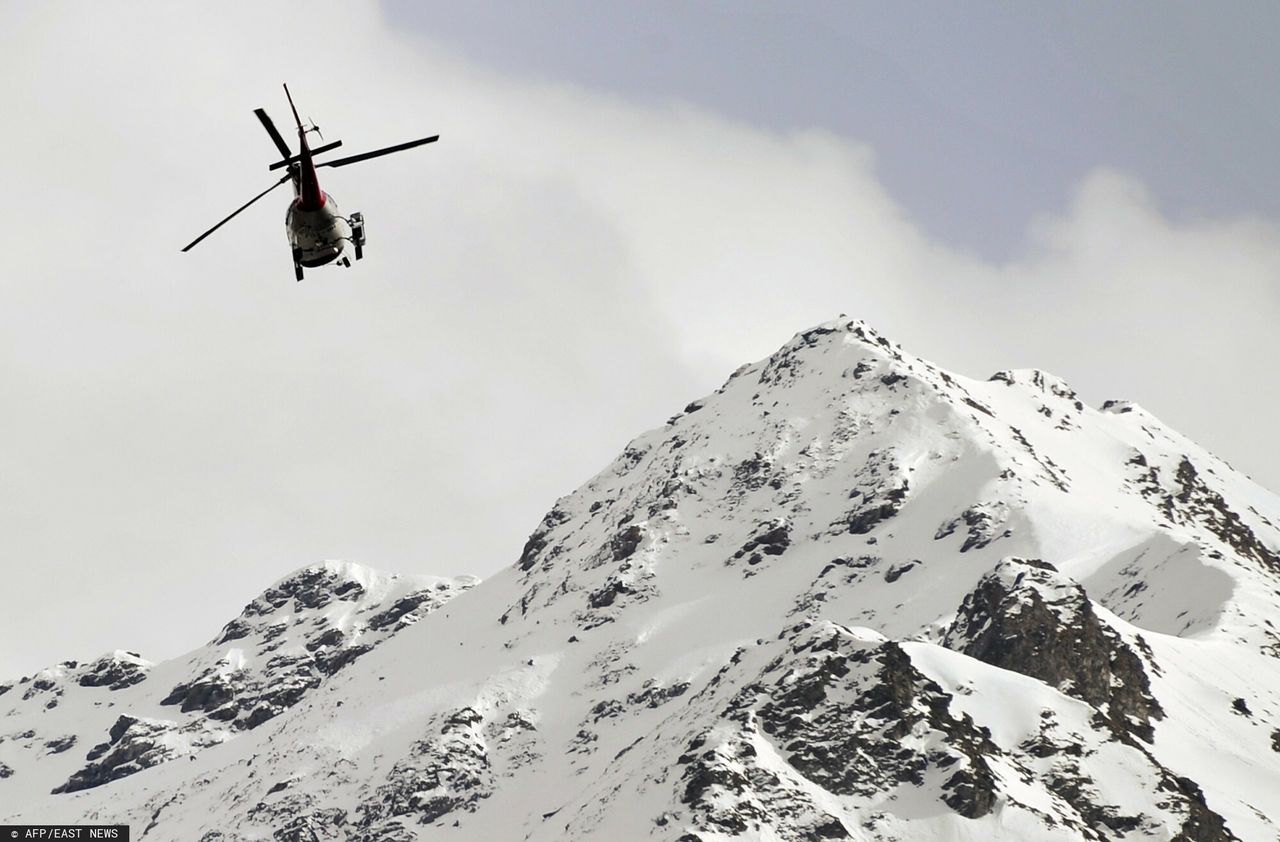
x: 563, y: 270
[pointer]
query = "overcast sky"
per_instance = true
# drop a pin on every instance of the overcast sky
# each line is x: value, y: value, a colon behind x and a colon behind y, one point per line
x: 627, y: 202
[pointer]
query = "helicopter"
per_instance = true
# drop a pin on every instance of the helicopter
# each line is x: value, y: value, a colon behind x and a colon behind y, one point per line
x: 318, y: 233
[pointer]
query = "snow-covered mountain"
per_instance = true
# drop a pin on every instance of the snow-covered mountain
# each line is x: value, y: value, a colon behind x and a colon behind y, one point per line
x: 849, y: 595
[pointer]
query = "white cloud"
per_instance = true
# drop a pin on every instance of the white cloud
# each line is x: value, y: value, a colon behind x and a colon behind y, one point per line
x: 561, y: 271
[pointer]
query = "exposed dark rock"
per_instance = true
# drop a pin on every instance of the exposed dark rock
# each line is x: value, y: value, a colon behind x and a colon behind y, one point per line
x: 235, y: 630
x: 211, y: 690
x: 272, y: 632
x: 539, y: 540
x: 625, y: 543
x: 978, y: 406
x: 879, y: 493
x: 855, y: 748
x: 609, y: 592
x: 312, y: 826
x: 443, y: 773
x: 134, y: 744
x: 97, y: 751
x: 1026, y: 617
x: 406, y: 605
x: 1070, y: 784
x: 654, y: 695
x: 1207, y: 507
x: 5, y: 771
x: 1202, y: 824
x: 607, y: 709
x: 332, y: 660
x: 1056, y: 475
x: 864, y: 520
x: 114, y: 672
x: 332, y: 637
x: 41, y: 685
x: 60, y: 744
x: 314, y: 587
x: 771, y: 538
x: 876, y: 510
x: 752, y: 473
x: 529, y: 555
x: 247, y: 699
x: 895, y: 572
x: 122, y: 724
x: 1191, y: 502
x: 984, y: 523
x: 838, y: 574
x: 699, y: 781
x: 786, y: 363
x: 845, y: 713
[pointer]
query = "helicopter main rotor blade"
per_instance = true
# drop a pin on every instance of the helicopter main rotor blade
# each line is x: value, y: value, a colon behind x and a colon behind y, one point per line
x: 292, y: 108
x: 274, y: 132
x: 377, y: 153
x: 233, y: 214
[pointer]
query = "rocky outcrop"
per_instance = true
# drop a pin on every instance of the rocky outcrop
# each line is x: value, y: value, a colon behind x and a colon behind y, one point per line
x: 446, y: 772
x: 1026, y: 617
x: 284, y: 646
x: 407, y: 609
x: 984, y: 523
x: 134, y: 744
x: 880, y: 493
x: 115, y: 671
x: 1187, y: 499
x: 847, y: 712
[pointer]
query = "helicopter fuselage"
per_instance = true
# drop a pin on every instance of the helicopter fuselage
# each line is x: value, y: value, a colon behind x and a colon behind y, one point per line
x: 317, y: 232
x: 317, y: 235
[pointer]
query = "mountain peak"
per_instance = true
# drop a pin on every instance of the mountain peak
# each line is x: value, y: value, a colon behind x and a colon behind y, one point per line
x: 847, y: 593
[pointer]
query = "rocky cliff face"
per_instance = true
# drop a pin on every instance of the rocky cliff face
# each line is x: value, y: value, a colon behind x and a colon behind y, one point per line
x: 849, y: 595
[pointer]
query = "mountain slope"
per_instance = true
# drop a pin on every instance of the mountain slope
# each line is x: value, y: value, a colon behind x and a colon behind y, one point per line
x: 847, y: 596
x: 78, y: 726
